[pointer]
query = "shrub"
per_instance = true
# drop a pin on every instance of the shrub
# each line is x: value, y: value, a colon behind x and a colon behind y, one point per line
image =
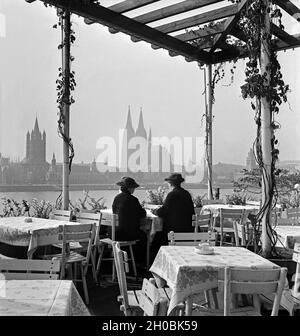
x: 236, y: 199
x: 156, y: 196
x: 198, y: 201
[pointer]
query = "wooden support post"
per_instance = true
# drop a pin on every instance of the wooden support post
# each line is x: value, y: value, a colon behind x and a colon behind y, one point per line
x: 209, y: 118
x: 66, y: 69
x: 266, y: 143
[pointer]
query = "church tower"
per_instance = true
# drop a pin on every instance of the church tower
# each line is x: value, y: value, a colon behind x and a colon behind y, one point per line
x: 141, y: 132
x: 250, y: 161
x: 28, y: 146
x: 129, y: 127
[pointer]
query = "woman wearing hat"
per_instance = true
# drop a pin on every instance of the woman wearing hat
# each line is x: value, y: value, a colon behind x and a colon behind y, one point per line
x: 177, y: 212
x: 130, y: 212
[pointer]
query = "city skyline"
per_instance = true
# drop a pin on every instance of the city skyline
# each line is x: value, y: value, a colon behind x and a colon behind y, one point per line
x: 112, y: 73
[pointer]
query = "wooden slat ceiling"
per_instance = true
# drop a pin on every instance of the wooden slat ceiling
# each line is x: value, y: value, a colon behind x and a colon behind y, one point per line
x: 192, y: 36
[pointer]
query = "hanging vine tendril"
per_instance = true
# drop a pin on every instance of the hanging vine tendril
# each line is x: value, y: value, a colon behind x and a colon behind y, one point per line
x: 65, y: 83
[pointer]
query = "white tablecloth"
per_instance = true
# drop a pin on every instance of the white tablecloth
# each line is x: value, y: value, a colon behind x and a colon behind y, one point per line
x: 288, y: 235
x: 40, y: 232
x: 215, y: 208
x: 187, y: 272
x: 40, y: 297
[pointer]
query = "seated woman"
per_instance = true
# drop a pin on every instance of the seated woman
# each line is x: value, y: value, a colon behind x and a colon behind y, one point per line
x: 130, y: 213
x: 177, y: 212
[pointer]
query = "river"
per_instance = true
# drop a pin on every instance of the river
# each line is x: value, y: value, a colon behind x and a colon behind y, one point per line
x: 108, y: 195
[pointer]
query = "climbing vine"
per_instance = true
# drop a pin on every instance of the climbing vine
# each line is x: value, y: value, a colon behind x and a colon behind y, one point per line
x: 259, y: 85
x: 66, y: 82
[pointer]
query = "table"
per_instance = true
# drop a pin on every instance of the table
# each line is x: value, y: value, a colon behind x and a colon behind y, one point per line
x: 40, y: 297
x: 187, y: 272
x: 215, y: 208
x: 287, y: 235
x: 40, y: 232
x: 150, y: 225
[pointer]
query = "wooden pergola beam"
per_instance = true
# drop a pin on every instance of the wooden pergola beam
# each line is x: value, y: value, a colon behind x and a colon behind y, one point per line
x: 125, y: 6
x: 283, y: 35
x: 201, y: 33
x: 131, y: 27
x: 277, y: 44
x: 290, y: 8
x: 229, y: 24
x: 175, y: 9
x: 129, y: 5
x: 199, y: 19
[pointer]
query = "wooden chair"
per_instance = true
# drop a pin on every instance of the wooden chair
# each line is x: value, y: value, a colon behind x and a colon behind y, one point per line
x: 151, y: 301
x: 85, y: 217
x: 190, y: 238
x: 130, y: 299
x: 294, y: 213
x: 193, y: 239
x: 82, y: 233
x: 284, y: 222
x: 28, y: 269
x: 233, y: 281
x: 202, y: 222
x: 291, y: 297
x: 243, y: 234
x: 233, y: 215
x: 207, y: 202
x: 62, y: 215
x: 111, y: 221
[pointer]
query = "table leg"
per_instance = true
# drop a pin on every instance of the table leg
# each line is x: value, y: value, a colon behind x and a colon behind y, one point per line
x: 148, y: 250
x: 188, y: 306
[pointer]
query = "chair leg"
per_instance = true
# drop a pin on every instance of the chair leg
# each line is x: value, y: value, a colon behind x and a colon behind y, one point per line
x: 207, y: 299
x: 113, y: 277
x: 75, y: 271
x: 215, y: 297
x: 93, y: 262
x: 101, y: 251
x: 133, y: 261
x: 85, y: 289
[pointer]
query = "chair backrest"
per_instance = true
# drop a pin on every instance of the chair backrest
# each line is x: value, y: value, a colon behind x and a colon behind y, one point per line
x: 110, y: 220
x: 28, y: 269
x: 84, y: 217
x: 293, y: 213
x: 63, y: 215
x: 122, y: 267
x: 284, y: 221
x: 296, y: 258
x: 151, y: 301
x: 252, y: 281
x: 190, y: 238
x: 243, y: 232
x: 202, y: 222
x: 76, y: 233
x: 207, y: 202
x: 253, y: 202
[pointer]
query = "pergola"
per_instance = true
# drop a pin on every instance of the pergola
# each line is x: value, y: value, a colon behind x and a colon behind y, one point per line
x: 191, y: 37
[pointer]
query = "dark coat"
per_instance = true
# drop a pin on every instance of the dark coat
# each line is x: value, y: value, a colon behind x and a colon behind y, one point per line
x: 177, y: 211
x: 130, y: 212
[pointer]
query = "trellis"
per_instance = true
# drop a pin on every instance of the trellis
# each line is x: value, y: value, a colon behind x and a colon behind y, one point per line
x: 189, y: 37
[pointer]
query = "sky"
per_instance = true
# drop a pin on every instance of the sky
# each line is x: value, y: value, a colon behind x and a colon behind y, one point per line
x: 112, y: 73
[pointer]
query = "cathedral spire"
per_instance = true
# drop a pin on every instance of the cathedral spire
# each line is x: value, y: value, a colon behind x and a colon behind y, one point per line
x: 129, y: 127
x: 36, y: 125
x: 141, y: 132
x: 150, y: 135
